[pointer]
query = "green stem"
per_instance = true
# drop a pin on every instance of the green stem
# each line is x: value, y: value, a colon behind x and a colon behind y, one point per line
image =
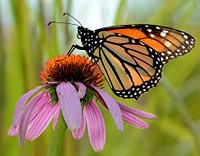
x: 57, y: 138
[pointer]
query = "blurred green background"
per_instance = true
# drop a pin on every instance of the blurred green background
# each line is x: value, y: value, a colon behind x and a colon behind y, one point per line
x: 26, y: 42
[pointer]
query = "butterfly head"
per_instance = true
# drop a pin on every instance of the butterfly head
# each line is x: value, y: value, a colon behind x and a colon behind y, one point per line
x: 89, y: 39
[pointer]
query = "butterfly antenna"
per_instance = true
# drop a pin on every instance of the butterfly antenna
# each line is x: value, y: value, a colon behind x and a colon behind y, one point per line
x: 73, y: 18
x: 63, y: 23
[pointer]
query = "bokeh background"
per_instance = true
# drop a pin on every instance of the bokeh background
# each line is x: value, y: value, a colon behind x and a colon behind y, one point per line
x: 26, y: 42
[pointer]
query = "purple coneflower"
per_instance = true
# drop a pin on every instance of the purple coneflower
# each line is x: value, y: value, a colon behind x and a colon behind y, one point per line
x: 71, y: 85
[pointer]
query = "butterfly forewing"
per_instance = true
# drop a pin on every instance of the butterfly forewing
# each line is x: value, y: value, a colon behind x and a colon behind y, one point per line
x: 167, y: 42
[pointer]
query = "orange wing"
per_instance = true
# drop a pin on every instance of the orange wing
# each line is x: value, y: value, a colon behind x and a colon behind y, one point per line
x: 167, y: 42
x: 130, y: 67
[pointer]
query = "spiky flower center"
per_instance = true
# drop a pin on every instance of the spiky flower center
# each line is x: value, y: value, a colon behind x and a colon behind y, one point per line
x: 72, y: 69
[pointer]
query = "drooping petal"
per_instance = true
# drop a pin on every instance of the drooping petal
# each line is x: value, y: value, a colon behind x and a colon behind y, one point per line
x: 70, y: 105
x: 56, y: 117
x: 23, y: 125
x: 78, y: 134
x: 22, y: 101
x: 81, y: 89
x: 46, y: 98
x: 13, y: 130
x: 137, y: 112
x: 112, y: 106
x: 96, y: 126
x: 133, y: 120
x: 41, y: 121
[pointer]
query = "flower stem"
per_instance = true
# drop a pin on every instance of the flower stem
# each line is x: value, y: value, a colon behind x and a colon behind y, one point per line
x: 57, y: 138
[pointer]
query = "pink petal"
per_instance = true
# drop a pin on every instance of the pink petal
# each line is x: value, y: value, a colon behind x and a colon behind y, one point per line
x: 78, y: 134
x: 26, y: 116
x: 39, y: 106
x: 137, y: 112
x: 41, y: 121
x: 22, y: 101
x: 56, y: 116
x: 70, y: 105
x: 81, y: 89
x: 96, y: 126
x: 112, y: 106
x: 13, y: 130
x: 133, y: 120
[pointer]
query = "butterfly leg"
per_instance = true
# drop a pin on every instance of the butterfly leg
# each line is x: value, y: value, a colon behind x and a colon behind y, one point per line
x: 75, y: 47
x: 95, y: 60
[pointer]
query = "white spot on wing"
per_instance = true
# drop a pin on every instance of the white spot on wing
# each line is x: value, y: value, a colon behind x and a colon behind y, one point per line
x: 183, y: 47
x: 149, y: 30
x: 132, y: 41
x: 165, y: 31
x: 157, y: 27
x: 185, y: 36
x: 152, y: 35
x: 163, y: 34
x: 167, y: 44
x: 169, y: 52
x: 142, y: 43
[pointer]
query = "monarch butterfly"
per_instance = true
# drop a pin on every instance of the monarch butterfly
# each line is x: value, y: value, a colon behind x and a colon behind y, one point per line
x: 131, y: 57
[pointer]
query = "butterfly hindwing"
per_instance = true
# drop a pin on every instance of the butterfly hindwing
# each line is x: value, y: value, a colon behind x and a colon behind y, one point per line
x: 130, y: 67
